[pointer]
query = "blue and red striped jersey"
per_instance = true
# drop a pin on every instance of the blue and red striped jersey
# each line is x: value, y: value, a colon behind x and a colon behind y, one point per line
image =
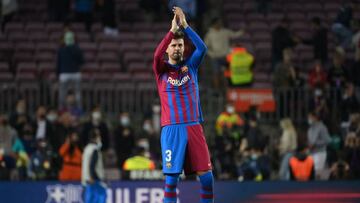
x: 178, y: 84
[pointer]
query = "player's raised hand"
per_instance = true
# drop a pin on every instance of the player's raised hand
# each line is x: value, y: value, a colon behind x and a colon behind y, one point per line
x: 182, y: 18
x: 174, y: 25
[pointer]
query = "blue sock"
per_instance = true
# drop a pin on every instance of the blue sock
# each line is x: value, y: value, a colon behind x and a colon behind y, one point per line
x: 207, y: 185
x: 171, y: 181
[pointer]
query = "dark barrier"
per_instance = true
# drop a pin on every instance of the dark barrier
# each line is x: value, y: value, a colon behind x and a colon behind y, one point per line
x: 152, y: 192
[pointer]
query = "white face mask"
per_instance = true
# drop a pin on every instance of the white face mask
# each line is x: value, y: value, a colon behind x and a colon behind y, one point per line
x: 230, y: 109
x: 156, y: 108
x: 125, y: 121
x: 96, y: 117
x: 318, y: 92
x: 310, y: 121
x: 147, y: 127
x: 51, y: 117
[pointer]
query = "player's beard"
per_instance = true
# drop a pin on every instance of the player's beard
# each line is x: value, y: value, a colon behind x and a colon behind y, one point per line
x: 176, y: 56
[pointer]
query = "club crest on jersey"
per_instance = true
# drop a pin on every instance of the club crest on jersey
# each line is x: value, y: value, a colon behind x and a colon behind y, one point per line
x: 168, y: 165
x: 184, y: 69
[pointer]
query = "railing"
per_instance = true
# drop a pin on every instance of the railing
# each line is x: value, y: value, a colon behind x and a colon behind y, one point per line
x: 137, y: 98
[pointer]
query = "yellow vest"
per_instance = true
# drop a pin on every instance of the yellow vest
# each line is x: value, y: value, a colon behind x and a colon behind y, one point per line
x: 240, y: 63
x: 138, y: 163
x: 227, y: 120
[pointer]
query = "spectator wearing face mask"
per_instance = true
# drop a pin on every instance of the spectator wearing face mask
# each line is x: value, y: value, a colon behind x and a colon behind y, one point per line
x: 43, y: 127
x: 19, y: 118
x: 318, y: 139
x: 42, y: 163
x: 124, y: 138
x: 69, y: 61
x: 228, y: 120
x: 96, y: 122
x: 152, y: 139
x: 72, y: 157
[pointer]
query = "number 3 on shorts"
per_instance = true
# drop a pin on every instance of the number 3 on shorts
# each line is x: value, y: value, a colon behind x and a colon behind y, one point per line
x: 168, y: 155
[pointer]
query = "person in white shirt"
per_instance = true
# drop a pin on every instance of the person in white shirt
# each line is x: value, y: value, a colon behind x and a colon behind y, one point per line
x: 217, y: 40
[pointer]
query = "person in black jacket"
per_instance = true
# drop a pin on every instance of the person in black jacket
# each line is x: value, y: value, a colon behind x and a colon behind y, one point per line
x: 318, y: 40
x: 96, y: 122
x: 281, y: 39
x: 69, y: 60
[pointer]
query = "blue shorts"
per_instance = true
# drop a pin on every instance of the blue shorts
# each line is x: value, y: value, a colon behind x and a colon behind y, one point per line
x: 184, y: 147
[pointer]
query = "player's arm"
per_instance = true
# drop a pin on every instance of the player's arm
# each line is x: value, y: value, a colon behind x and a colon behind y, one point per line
x: 200, y: 46
x: 161, y: 48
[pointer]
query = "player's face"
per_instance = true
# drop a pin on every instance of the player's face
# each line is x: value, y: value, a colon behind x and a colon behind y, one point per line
x: 175, y: 49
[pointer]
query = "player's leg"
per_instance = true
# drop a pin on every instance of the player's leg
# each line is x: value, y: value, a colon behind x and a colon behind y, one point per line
x: 207, y: 186
x: 198, y: 160
x: 173, y: 147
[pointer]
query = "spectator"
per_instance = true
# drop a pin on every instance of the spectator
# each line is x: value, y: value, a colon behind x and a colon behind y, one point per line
x: 41, y: 164
x: 8, y: 9
x: 19, y: 118
x: 62, y: 129
x: 148, y: 133
x: 302, y: 166
x: 318, y: 40
x: 340, y: 170
x: 71, y: 156
x: 218, y: 42
x: 156, y: 117
x: 93, y: 172
x: 229, y: 122
x: 318, y: 139
x: 84, y: 12
x: 255, y: 139
x: 342, y: 24
x: 139, y: 161
x: 338, y: 74
x: 352, y: 151
x: 287, y: 146
x: 43, y: 127
x: 255, y: 167
x: 319, y: 104
x: 124, y: 139
x: 240, y: 63
x: 96, y: 122
x: 52, y: 116
x: 8, y: 136
x: 285, y: 74
x: 28, y: 139
x: 225, y: 150
x: 281, y: 39
x: 349, y: 103
x: 69, y: 60
x: 108, y: 17
x: 317, y: 76
x: 71, y: 107
x: 355, y: 70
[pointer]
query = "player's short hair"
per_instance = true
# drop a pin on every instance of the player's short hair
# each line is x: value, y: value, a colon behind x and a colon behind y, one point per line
x: 179, y: 35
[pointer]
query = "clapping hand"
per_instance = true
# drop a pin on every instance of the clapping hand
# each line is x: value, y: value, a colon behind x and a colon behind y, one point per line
x: 182, y: 18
